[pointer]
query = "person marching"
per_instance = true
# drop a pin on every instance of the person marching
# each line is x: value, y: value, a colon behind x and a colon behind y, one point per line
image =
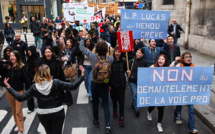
x: 101, y: 63
x: 16, y: 72
x: 162, y: 61
x: 185, y: 61
x: 47, y: 91
x: 118, y: 84
x: 138, y: 61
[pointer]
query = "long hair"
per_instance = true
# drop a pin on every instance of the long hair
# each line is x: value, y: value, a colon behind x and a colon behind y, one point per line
x: 91, y: 43
x: 166, y: 61
x: 182, y: 56
x: 20, y: 64
x: 54, y: 56
x: 42, y: 74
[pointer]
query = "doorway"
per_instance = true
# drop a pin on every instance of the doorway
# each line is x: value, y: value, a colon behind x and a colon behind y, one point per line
x: 33, y: 11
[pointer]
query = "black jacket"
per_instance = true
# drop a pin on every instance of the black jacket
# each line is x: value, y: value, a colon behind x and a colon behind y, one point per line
x: 47, y: 40
x: 1, y: 37
x: 8, y: 31
x: 3, y: 65
x: 178, y: 29
x: 105, y: 27
x: 55, y: 68
x: 175, y: 53
x: 32, y: 62
x: 93, y: 33
x: 32, y: 24
x: 53, y: 99
x: 36, y: 30
x: 133, y: 66
x: 17, y: 78
x: 21, y: 47
x: 51, y: 28
x: 118, y: 69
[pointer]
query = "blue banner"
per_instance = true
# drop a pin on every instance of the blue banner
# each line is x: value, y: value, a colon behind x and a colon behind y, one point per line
x: 167, y: 86
x: 145, y: 24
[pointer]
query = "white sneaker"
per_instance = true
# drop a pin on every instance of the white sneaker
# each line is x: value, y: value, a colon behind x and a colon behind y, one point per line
x: 149, y: 116
x: 160, y: 129
x: 20, y: 132
x: 194, y: 131
x: 178, y: 122
x: 29, y: 111
x: 16, y: 129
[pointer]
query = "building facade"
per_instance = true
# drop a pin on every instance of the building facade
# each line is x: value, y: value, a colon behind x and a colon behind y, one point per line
x: 201, y: 26
x: 15, y: 9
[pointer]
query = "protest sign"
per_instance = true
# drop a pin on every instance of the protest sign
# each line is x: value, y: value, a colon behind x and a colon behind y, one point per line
x: 70, y: 10
x: 167, y: 86
x: 84, y: 14
x: 145, y: 24
x: 125, y: 41
x: 100, y: 15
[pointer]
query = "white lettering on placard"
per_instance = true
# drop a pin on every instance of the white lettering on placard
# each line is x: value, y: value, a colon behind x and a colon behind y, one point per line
x: 31, y: 0
x: 144, y: 100
x: 199, y: 99
x: 151, y: 16
x: 126, y: 16
x: 155, y: 73
x: 147, y: 25
x: 134, y: 15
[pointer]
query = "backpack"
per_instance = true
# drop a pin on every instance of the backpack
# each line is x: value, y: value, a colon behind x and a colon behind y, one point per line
x: 102, y: 71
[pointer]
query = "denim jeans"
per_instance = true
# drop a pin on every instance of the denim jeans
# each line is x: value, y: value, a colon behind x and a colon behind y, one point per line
x: 100, y: 91
x: 88, y: 76
x: 37, y: 38
x: 175, y: 41
x: 191, y: 118
x: 133, y: 87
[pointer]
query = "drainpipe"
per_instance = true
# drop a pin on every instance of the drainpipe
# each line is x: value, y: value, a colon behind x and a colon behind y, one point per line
x: 187, y: 29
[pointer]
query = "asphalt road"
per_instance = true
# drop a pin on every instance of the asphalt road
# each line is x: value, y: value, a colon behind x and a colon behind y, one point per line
x: 79, y: 119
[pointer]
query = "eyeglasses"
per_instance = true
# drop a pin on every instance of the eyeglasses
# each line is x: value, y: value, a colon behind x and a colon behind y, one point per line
x: 187, y: 56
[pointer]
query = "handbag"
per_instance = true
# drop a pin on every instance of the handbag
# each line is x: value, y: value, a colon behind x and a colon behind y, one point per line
x: 69, y: 71
x: 22, y: 21
x: 9, y: 36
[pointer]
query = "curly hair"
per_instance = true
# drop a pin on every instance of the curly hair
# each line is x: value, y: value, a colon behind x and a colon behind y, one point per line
x: 166, y: 61
x: 101, y: 48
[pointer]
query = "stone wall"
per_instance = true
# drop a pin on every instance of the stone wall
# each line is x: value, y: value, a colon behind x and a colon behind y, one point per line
x: 202, y: 22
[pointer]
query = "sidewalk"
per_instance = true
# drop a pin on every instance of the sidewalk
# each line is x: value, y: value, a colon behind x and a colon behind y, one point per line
x: 205, y: 112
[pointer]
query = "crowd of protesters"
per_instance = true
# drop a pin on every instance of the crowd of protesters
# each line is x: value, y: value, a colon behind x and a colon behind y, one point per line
x: 71, y: 53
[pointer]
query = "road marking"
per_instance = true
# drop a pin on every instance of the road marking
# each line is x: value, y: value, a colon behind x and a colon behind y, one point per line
x: 3, y: 113
x: 8, y: 128
x: 82, y: 95
x: 79, y: 130
x: 28, y: 121
x: 41, y: 129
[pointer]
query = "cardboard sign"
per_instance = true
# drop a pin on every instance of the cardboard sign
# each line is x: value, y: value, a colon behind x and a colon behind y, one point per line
x: 84, y: 14
x: 125, y: 41
x: 168, y: 86
x: 145, y: 24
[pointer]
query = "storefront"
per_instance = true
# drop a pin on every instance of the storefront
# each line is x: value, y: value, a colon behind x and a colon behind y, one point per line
x: 15, y: 9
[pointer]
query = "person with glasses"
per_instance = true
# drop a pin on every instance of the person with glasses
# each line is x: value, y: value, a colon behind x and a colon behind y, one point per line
x: 185, y: 61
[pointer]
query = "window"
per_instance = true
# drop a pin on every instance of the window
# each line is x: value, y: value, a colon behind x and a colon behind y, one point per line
x: 9, y: 11
x: 168, y: 2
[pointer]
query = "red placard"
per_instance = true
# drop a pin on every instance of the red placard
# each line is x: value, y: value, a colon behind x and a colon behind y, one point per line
x: 125, y: 41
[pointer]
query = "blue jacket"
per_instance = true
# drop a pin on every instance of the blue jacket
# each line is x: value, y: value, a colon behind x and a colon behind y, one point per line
x: 148, y: 56
x: 9, y: 31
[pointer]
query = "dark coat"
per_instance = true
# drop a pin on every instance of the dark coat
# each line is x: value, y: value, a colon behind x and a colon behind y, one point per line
x: 47, y: 40
x: 32, y: 62
x: 93, y: 32
x: 176, y: 52
x: 55, y: 68
x: 133, y: 65
x: 53, y: 99
x: 36, y: 30
x: 111, y: 38
x: 8, y: 31
x: 32, y: 25
x: 21, y: 47
x: 118, y: 69
x: 51, y: 28
x: 178, y: 29
x: 1, y: 37
x: 105, y: 27
x: 18, y: 79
